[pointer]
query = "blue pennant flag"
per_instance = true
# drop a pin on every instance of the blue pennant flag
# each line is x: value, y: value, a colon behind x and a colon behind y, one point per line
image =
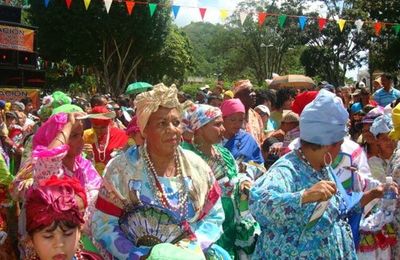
x: 302, y: 22
x: 175, y: 10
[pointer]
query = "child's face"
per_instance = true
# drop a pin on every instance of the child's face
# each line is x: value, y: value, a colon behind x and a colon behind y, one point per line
x: 56, y: 244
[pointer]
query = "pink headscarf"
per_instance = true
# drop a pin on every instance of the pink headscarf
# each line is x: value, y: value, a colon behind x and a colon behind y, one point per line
x: 231, y: 106
x: 48, y: 131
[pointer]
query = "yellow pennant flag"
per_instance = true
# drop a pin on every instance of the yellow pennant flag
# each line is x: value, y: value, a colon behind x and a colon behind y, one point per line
x: 223, y: 13
x: 87, y: 3
x: 341, y: 23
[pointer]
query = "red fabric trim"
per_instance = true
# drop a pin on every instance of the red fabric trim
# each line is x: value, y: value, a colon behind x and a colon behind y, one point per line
x: 213, y: 195
x: 108, y: 208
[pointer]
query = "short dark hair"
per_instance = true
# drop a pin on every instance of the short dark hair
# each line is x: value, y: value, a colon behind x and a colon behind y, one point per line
x: 265, y: 95
x: 388, y: 76
x: 283, y: 95
x: 97, y: 100
x: 26, y: 100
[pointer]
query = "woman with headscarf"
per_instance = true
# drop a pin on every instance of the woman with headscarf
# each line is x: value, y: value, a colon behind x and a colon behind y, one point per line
x: 55, y: 213
x: 160, y: 177
x: 206, y: 124
x: 104, y: 139
x: 376, y: 229
x: 240, y: 143
x: 57, y: 148
x: 300, y: 205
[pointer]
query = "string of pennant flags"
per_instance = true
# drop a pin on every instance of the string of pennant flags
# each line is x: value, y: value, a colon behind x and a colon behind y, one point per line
x: 261, y: 16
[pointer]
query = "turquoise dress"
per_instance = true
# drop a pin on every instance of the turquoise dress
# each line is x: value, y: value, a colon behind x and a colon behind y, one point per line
x: 275, y: 202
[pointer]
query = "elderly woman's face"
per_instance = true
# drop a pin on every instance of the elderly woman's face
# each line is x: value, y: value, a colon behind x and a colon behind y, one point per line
x: 163, y: 130
x: 212, y: 132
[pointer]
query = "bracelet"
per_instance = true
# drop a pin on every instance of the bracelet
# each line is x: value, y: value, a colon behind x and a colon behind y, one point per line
x: 58, y: 139
x: 64, y: 136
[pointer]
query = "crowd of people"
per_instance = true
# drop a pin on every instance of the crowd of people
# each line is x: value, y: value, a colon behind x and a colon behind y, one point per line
x: 228, y: 174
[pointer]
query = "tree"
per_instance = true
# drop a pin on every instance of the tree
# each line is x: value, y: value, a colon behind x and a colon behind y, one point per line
x: 384, y: 50
x: 172, y: 63
x: 114, y: 45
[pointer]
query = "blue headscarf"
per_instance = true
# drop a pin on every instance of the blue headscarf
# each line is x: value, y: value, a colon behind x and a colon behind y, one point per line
x: 381, y: 125
x: 324, y: 120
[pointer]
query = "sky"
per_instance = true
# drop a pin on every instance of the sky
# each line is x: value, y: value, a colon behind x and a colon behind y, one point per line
x: 189, y: 12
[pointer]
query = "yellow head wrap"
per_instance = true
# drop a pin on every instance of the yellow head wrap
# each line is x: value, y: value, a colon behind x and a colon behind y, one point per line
x: 395, y: 133
x: 148, y: 102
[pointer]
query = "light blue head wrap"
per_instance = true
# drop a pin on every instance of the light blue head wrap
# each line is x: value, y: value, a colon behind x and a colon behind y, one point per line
x: 199, y: 115
x: 381, y: 125
x: 324, y: 120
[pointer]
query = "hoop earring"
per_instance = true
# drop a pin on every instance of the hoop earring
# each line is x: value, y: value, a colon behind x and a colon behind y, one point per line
x: 328, y: 164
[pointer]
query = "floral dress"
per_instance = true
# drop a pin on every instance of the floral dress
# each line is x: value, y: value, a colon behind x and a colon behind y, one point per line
x: 127, y: 186
x: 286, y: 233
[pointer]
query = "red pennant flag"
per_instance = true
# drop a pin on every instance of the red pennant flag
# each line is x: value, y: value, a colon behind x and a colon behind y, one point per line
x: 68, y: 2
x: 202, y: 12
x: 129, y: 6
x: 261, y: 18
x: 321, y: 23
x: 378, y: 28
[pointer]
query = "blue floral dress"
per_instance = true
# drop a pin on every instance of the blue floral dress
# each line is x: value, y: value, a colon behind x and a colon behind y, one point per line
x: 275, y: 202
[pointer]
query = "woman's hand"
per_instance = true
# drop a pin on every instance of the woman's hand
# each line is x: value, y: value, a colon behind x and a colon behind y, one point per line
x: 378, y: 192
x: 72, y: 117
x: 321, y: 191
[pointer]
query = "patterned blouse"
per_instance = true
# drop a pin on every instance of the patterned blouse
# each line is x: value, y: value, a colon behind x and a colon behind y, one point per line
x: 275, y: 202
x: 126, y: 176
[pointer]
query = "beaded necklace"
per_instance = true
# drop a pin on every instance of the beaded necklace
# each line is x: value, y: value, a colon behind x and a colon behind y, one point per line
x: 214, y: 161
x: 159, y: 192
x: 102, y: 153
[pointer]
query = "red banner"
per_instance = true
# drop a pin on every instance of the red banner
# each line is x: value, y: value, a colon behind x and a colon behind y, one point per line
x: 16, y: 38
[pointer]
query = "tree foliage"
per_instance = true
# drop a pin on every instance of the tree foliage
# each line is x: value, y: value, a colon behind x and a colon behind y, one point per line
x: 114, y: 44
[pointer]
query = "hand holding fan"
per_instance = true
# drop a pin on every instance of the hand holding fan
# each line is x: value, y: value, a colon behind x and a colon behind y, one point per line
x: 149, y: 225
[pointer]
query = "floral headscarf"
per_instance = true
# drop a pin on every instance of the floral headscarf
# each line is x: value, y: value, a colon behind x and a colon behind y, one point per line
x: 51, y: 102
x: 198, y: 115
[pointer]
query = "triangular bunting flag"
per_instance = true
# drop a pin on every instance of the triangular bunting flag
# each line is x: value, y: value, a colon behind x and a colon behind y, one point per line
x: 202, y: 12
x: 175, y: 10
x: 87, y: 3
x: 242, y: 17
x: 341, y: 23
x: 261, y: 18
x: 129, y: 6
x: 282, y: 20
x: 321, y: 23
x: 108, y: 3
x: 223, y: 13
x: 46, y: 3
x: 68, y: 2
x: 302, y: 22
x: 378, y: 28
x: 152, y: 8
x: 396, y: 29
x: 359, y: 24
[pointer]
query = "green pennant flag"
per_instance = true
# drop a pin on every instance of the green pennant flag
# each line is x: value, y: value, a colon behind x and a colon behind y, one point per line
x: 152, y: 8
x: 282, y: 20
x: 396, y: 28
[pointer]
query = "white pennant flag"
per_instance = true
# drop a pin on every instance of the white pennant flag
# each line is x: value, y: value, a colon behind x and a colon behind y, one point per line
x: 108, y: 3
x: 359, y: 24
x: 242, y: 17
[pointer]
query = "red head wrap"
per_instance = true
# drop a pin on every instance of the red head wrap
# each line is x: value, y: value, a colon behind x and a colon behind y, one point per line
x: 54, y: 200
x: 133, y: 127
x: 302, y: 100
x: 100, y: 122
